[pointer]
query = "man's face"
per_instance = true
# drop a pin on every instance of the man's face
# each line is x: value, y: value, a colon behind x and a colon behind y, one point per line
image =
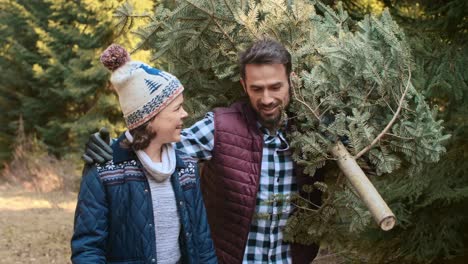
x: 268, y: 90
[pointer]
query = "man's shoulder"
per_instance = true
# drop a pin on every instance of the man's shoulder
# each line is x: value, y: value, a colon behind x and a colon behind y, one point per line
x: 235, y: 108
x: 239, y: 118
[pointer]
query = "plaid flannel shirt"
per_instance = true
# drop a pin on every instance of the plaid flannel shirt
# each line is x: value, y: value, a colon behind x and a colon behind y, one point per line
x: 265, y: 239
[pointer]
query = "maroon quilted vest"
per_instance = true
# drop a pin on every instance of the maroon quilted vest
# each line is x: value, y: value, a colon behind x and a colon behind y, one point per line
x: 230, y: 182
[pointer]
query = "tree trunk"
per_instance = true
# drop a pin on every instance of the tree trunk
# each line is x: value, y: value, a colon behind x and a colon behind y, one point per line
x: 366, y: 190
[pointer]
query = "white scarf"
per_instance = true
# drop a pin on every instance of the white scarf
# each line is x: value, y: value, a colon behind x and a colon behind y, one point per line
x: 160, y: 171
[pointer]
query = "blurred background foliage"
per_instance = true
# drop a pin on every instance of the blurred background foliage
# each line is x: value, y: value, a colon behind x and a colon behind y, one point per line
x: 51, y: 74
x: 54, y: 93
x: 53, y: 80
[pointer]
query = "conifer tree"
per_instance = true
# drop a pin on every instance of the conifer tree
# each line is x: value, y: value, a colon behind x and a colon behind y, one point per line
x: 54, y: 79
x: 354, y: 85
x: 438, y: 32
x: 50, y: 71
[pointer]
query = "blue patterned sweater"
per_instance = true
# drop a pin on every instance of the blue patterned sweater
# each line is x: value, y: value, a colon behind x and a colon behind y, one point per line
x: 114, y: 220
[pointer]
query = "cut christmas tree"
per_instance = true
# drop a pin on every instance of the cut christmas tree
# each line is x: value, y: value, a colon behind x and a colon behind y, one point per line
x: 353, y: 101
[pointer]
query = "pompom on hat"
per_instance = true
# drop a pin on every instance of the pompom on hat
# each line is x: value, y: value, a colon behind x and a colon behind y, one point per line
x: 143, y: 90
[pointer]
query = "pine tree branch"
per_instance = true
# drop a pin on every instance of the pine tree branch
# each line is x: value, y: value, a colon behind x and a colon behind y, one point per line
x: 225, y: 34
x: 130, y: 15
x: 368, y: 94
x: 399, y: 146
x: 252, y: 33
x: 304, y: 208
x: 306, y: 105
x: 144, y: 15
x: 213, y: 18
x: 211, y: 14
x: 393, y: 135
x: 174, y: 55
x: 409, y: 110
x: 329, y: 255
x: 212, y: 5
x: 191, y: 19
x: 324, y: 100
x: 230, y: 9
x: 287, y: 14
x: 295, y: 94
x: 324, y: 112
x: 390, y: 124
x: 146, y: 38
x: 374, y: 71
x: 353, y: 208
x: 273, y: 31
x: 124, y: 22
x: 389, y: 106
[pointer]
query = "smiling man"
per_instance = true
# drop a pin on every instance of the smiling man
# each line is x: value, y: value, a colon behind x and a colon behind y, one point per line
x: 249, y: 162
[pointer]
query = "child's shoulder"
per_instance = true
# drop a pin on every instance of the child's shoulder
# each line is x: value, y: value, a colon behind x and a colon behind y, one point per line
x: 188, y: 161
x: 111, y: 166
x: 188, y: 173
x: 118, y: 172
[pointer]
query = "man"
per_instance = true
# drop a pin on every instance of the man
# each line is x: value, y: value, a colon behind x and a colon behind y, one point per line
x: 249, y: 164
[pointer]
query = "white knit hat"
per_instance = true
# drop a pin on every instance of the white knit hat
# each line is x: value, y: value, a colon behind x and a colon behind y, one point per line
x: 143, y: 90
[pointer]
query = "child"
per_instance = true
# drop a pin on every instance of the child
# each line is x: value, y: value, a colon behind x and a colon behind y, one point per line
x: 145, y: 205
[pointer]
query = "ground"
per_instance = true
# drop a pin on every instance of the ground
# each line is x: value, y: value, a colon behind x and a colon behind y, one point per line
x: 35, y: 227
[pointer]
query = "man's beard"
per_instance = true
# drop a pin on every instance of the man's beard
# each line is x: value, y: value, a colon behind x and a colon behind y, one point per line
x: 272, y: 121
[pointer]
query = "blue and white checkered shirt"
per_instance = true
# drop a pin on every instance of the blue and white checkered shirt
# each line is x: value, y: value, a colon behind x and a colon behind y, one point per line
x: 265, y: 240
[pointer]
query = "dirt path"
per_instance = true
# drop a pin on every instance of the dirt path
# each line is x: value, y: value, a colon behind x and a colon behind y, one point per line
x: 37, y: 227
x: 34, y: 227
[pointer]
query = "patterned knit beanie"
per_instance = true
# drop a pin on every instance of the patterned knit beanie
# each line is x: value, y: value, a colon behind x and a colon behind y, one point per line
x: 143, y: 90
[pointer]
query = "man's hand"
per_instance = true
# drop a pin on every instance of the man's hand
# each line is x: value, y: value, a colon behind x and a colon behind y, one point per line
x: 98, y: 148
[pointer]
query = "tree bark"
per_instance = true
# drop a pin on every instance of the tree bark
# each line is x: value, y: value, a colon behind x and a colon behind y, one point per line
x: 366, y: 190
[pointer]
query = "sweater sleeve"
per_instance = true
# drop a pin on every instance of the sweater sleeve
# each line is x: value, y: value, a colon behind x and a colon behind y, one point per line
x: 88, y: 242
x: 205, y: 243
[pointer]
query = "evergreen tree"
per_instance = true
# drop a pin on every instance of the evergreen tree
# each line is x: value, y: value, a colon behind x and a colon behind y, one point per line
x: 48, y: 63
x: 437, y: 32
x: 51, y: 74
x: 17, y: 41
x: 355, y: 80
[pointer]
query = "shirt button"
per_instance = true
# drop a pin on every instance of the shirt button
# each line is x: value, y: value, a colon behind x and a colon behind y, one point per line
x: 153, y: 260
x: 187, y: 234
x: 150, y: 225
x: 146, y: 190
x: 181, y: 203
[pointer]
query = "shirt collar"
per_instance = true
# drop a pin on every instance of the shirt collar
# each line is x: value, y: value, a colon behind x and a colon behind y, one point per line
x: 280, y: 130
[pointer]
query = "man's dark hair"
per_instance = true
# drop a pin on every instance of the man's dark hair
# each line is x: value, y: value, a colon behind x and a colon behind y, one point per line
x: 265, y: 51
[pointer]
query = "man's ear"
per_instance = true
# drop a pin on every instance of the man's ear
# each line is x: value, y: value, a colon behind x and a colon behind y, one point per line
x: 292, y: 75
x: 243, y: 85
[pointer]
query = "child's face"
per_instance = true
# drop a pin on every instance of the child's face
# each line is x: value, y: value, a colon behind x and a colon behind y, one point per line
x: 169, y: 122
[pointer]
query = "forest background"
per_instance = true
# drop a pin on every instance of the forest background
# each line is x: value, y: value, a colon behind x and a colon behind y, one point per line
x: 54, y: 93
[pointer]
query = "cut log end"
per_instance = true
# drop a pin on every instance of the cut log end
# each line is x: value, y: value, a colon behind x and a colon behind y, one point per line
x: 388, y: 223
